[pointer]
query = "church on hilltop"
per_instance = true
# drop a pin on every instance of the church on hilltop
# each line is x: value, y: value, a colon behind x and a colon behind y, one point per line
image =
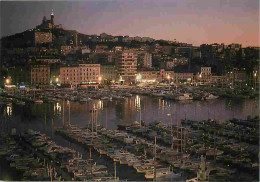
x: 49, y: 24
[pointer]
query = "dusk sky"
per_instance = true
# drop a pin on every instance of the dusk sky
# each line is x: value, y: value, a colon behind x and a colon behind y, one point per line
x: 191, y: 21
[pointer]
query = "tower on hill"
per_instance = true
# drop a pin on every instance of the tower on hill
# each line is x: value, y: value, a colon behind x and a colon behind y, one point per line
x: 49, y: 24
x: 52, y: 18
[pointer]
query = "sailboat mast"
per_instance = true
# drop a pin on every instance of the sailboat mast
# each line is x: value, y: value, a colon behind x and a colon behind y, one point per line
x: 115, y: 170
x: 155, y: 159
x: 63, y: 111
x: 96, y: 115
x: 92, y: 122
x: 69, y: 113
x: 140, y: 119
x: 181, y: 139
x: 106, y: 116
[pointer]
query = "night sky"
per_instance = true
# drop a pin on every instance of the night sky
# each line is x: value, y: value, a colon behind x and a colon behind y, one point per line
x: 191, y: 21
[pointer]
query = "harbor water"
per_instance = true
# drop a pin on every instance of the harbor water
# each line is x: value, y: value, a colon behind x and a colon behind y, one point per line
x: 112, y: 113
x: 47, y: 117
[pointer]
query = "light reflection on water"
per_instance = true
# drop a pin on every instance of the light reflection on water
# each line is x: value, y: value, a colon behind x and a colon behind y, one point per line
x: 137, y: 103
x: 112, y: 113
x: 9, y: 110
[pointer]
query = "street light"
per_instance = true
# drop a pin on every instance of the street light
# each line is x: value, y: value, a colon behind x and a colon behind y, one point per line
x: 7, y: 81
x: 99, y: 78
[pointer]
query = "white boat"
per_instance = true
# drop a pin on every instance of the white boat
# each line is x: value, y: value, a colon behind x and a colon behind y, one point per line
x: 38, y: 101
x: 211, y: 96
x: 105, y: 98
x: 159, y: 173
x: 184, y: 97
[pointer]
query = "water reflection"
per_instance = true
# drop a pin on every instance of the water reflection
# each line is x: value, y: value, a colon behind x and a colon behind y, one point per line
x: 112, y: 113
x: 9, y: 110
x: 57, y: 109
x: 100, y: 105
x: 137, y: 103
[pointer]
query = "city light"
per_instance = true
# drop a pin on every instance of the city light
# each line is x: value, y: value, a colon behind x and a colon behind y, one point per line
x: 99, y: 78
x: 57, y: 108
x: 9, y: 110
x: 7, y: 81
x: 100, y: 105
x: 57, y: 80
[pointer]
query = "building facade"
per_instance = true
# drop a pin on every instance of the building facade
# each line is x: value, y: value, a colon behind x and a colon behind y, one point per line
x: 40, y: 75
x: 150, y: 76
x: 83, y: 73
x: 109, y: 72
x: 126, y: 63
x: 205, y: 74
x: 147, y: 60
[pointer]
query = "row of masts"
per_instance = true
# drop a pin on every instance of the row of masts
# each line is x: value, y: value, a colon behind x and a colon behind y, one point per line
x: 179, y: 137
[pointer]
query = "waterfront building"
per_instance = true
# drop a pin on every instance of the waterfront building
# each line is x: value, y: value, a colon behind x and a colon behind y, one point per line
x: 82, y: 73
x: 126, y: 63
x: 40, y: 75
x: 151, y: 76
x: 109, y: 72
x: 168, y: 76
x: 205, y: 74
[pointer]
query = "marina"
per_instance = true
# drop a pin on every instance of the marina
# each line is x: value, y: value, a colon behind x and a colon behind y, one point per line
x: 166, y: 149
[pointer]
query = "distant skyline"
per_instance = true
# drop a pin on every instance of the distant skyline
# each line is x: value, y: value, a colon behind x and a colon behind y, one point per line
x: 190, y: 21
